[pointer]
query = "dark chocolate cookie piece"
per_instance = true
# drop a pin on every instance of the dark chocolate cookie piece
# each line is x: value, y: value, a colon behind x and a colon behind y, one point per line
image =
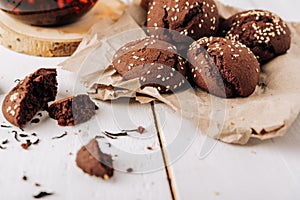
x: 29, y: 96
x: 223, y: 67
x: 266, y: 34
x: 93, y: 162
x: 72, y: 110
x: 193, y: 18
x: 156, y: 63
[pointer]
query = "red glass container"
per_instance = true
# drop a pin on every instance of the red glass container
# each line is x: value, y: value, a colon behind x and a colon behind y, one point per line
x: 46, y: 12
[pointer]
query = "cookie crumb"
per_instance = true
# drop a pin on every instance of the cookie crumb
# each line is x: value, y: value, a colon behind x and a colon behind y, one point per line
x: 140, y: 129
x: 37, y: 185
x: 42, y: 194
x: 129, y: 170
x: 150, y: 148
x: 24, y: 178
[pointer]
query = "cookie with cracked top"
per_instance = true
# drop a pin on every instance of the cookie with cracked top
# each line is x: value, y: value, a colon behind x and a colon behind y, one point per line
x: 156, y: 63
x: 223, y: 67
x: 93, y: 161
x: 265, y: 33
x: 193, y: 18
x: 29, y: 96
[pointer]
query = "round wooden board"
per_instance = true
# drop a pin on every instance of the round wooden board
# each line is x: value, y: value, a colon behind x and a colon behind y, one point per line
x: 54, y: 41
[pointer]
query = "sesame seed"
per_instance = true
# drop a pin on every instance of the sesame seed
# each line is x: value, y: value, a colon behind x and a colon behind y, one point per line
x: 14, y: 97
x: 8, y: 109
x: 12, y: 112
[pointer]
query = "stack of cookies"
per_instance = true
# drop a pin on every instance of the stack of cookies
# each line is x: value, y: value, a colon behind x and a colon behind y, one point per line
x: 188, y: 43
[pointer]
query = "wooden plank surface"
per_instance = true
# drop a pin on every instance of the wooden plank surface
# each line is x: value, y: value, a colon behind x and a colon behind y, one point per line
x: 208, y: 169
x: 51, y: 163
x: 202, y: 168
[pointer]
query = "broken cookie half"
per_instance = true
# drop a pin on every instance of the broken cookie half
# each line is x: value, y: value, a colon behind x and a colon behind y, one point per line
x: 94, y: 162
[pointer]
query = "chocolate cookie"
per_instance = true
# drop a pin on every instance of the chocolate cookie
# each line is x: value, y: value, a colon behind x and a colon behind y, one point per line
x: 223, y: 67
x: 193, y: 18
x: 155, y: 62
x: 29, y: 96
x: 266, y: 34
x: 93, y: 162
x: 72, y: 110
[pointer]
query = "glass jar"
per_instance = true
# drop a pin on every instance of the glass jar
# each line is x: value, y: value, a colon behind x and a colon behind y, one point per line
x: 46, y: 12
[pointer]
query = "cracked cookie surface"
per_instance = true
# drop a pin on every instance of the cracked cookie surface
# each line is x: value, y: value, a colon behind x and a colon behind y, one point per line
x: 223, y: 67
x: 192, y: 18
x: 156, y: 63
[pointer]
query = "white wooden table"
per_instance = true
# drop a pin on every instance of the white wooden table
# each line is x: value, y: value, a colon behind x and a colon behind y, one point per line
x: 197, y: 167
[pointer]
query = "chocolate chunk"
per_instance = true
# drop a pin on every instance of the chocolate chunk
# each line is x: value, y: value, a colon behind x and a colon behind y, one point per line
x: 93, y: 162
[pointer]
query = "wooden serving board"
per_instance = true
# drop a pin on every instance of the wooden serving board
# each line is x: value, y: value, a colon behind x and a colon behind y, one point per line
x: 54, y: 41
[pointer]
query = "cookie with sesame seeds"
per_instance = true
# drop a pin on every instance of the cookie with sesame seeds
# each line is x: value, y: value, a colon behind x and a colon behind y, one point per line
x: 29, y: 96
x: 265, y: 33
x: 193, y: 18
x: 223, y: 67
x: 156, y: 63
